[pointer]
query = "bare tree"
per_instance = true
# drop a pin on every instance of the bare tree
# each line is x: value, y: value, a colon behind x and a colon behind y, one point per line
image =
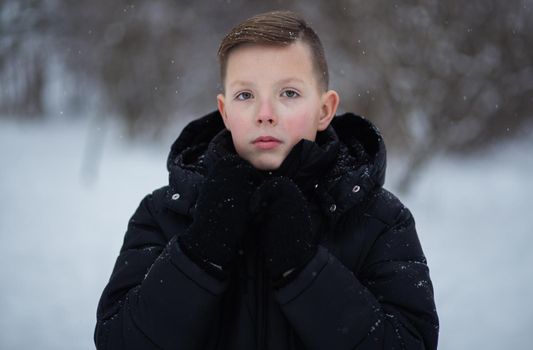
x: 438, y: 77
x: 22, y: 57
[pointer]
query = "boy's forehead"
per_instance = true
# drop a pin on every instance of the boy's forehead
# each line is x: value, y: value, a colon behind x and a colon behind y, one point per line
x: 297, y: 48
x: 292, y: 62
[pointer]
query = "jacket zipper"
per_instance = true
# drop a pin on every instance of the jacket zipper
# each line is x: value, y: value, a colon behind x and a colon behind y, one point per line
x: 265, y: 305
x: 262, y: 300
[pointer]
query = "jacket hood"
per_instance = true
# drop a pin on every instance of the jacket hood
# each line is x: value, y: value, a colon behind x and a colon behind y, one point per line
x: 359, y: 168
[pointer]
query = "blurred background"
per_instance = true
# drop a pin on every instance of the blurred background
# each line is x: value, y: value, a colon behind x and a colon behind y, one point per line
x: 92, y: 94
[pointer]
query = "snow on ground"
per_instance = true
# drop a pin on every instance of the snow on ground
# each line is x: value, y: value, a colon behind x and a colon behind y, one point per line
x: 474, y: 220
x: 59, y: 235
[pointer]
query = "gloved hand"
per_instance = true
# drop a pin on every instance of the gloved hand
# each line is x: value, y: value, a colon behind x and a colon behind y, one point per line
x: 221, y: 217
x: 284, y: 222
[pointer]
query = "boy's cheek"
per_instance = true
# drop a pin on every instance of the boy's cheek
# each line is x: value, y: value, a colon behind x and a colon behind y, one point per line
x: 241, y: 152
x: 303, y: 127
x: 243, y: 149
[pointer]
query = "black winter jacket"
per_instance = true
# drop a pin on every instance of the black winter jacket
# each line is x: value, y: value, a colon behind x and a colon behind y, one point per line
x: 368, y: 287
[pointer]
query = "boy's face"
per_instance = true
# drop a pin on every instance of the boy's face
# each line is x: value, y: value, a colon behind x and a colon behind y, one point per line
x: 272, y: 100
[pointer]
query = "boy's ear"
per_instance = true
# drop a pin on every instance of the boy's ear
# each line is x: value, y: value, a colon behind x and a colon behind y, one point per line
x: 330, y: 102
x: 221, y: 105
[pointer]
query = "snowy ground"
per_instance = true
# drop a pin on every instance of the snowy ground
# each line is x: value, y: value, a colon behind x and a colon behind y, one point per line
x: 60, y: 234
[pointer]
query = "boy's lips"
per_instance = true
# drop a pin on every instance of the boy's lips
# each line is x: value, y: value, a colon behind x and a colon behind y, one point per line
x: 266, y: 142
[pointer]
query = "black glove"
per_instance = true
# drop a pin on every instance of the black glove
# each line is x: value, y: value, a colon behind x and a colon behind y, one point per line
x: 221, y: 217
x: 307, y: 162
x: 286, y: 235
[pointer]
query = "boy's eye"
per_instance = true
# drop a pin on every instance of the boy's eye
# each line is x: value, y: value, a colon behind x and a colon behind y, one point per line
x: 290, y: 94
x: 244, y: 96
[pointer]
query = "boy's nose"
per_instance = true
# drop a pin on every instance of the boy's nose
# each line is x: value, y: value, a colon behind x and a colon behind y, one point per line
x: 266, y: 114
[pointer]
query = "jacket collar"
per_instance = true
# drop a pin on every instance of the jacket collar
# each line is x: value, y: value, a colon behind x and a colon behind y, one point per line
x: 358, y: 168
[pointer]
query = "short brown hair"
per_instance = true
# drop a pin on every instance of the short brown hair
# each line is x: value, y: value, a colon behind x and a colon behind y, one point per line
x: 276, y: 28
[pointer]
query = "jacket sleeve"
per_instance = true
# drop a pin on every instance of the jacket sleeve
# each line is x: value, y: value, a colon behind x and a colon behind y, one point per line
x: 387, y: 304
x: 156, y: 297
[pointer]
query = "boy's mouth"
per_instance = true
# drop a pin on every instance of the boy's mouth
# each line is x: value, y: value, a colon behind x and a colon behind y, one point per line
x: 266, y: 142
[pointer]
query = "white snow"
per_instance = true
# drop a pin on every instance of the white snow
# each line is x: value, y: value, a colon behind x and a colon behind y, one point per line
x: 59, y: 236
x: 474, y: 221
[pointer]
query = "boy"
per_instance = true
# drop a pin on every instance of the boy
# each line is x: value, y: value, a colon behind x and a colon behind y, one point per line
x: 274, y: 231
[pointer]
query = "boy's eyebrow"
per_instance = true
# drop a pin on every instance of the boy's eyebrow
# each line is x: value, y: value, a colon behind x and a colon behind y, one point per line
x: 281, y: 82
